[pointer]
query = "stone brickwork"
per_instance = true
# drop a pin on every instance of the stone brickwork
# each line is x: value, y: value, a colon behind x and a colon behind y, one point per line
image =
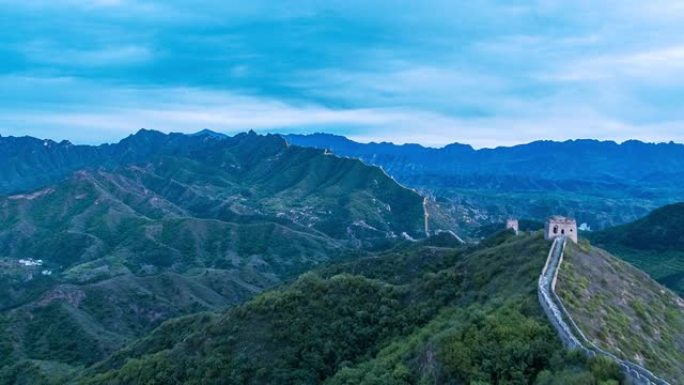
x: 558, y: 226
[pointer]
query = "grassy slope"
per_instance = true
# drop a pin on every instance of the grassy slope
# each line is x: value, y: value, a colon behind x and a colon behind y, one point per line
x: 623, y: 310
x: 420, y: 315
x: 654, y: 244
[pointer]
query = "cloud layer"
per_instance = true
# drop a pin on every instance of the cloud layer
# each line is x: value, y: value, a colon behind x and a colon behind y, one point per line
x: 434, y: 72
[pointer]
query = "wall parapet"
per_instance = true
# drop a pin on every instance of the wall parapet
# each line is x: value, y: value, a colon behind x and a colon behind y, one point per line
x: 566, y: 328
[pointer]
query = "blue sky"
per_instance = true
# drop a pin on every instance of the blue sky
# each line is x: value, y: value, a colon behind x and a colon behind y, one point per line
x: 433, y: 72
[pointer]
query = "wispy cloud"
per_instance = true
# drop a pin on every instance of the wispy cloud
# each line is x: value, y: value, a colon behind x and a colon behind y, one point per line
x: 46, y: 52
x: 480, y: 72
x: 652, y: 65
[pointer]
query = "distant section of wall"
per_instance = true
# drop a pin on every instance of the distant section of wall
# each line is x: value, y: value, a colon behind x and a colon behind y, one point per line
x: 512, y: 224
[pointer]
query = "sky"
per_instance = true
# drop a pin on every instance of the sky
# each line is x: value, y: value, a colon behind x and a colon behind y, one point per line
x: 434, y: 72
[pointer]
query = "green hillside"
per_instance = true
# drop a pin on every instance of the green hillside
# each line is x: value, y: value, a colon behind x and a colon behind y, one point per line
x: 534, y: 180
x: 624, y: 311
x: 93, y: 262
x: 152, y: 270
x: 409, y: 316
x: 654, y: 243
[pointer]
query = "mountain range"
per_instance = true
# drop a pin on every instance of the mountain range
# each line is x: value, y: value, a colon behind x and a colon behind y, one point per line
x: 100, y: 244
x: 209, y: 259
x: 601, y: 183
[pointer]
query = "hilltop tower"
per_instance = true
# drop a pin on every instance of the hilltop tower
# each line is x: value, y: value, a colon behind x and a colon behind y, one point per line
x: 513, y: 225
x: 557, y: 226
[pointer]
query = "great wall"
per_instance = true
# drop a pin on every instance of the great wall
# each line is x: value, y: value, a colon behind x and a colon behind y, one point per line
x: 566, y: 328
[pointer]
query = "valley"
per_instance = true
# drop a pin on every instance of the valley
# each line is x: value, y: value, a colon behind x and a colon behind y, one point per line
x: 602, y: 184
x: 191, y: 224
x: 206, y: 259
x: 414, y: 314
x: 341, y: 192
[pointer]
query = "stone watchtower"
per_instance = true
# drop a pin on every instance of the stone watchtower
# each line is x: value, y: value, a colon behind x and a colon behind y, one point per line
x: 557, y: 226
x: 513, y: 225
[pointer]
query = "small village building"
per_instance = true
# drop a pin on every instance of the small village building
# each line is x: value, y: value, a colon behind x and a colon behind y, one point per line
x: 558, y: 226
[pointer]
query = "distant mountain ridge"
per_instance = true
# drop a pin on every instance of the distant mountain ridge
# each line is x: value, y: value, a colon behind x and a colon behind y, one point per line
x: 602, y: 183
x: 178, y: 228
x: 583, y: 159
x: 98, y: 244
x: 27, y: 163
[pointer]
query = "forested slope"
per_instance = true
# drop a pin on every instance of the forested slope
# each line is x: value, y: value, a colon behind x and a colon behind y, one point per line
x: 416, y: 315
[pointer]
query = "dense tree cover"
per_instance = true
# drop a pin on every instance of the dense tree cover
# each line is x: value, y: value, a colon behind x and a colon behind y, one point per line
x: 52, y: 337
x: 5, y: 344
x: 478, y: 345
x: 160, y: 226
x: 201, y: 222
x: 299, y: 336
x: 36, y: 373
x: 660, y: 230
x: 501, y: 347
x: 365, y: 322
x: 654, y: 244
